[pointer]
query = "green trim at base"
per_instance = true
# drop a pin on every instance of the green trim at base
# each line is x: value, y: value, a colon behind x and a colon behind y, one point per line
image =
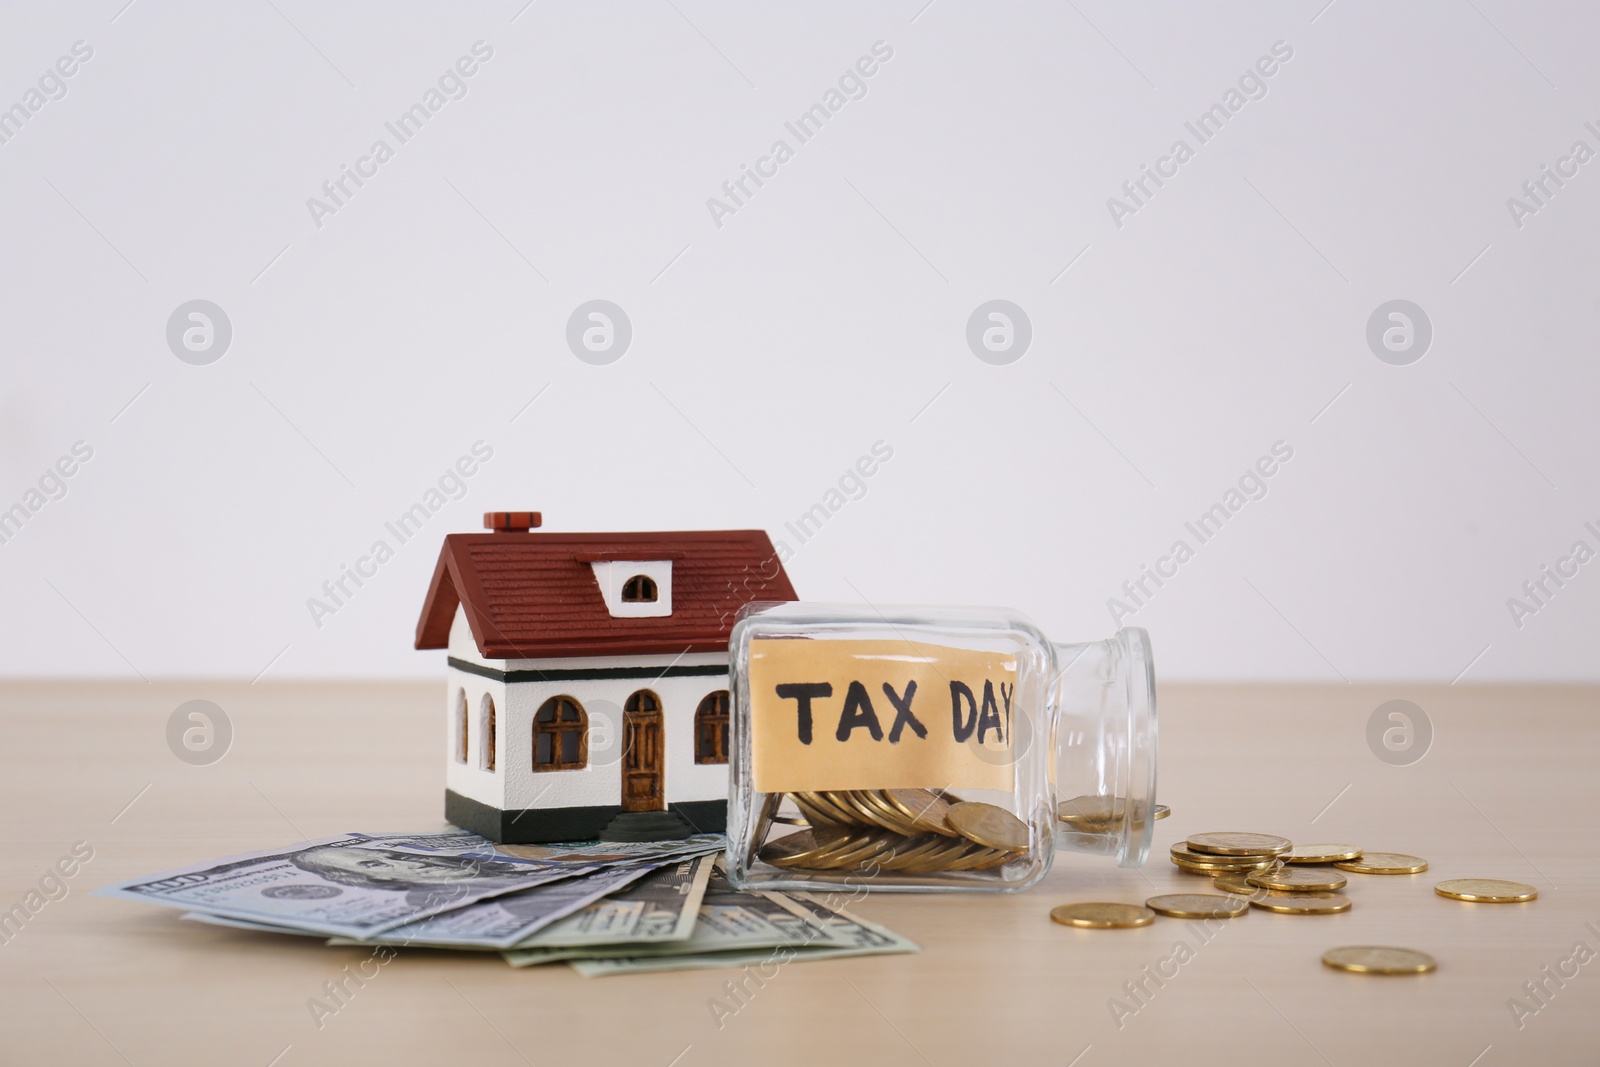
x: 539, y: 826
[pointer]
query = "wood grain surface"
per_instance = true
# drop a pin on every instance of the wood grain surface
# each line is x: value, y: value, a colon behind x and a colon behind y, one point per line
x: 1508, y: 789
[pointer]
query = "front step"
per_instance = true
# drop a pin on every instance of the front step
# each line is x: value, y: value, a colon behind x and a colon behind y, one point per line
x: 647, y: 826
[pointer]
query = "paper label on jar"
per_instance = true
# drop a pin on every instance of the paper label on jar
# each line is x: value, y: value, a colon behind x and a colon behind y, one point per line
x: 882, y: 714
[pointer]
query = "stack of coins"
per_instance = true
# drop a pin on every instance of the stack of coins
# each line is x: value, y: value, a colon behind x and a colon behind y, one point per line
x: 1218, y: 853
x: 916, y: 831
x: 1269, y: 870
x: 1232, y: 856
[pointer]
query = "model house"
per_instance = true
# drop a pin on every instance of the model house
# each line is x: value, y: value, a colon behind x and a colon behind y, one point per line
x: 588, y: 676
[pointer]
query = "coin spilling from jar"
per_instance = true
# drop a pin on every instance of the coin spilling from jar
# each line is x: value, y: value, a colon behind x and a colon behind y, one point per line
x: 1274, y: 875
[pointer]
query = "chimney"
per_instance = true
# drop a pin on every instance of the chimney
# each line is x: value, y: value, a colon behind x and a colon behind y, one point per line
x: 511, y: 521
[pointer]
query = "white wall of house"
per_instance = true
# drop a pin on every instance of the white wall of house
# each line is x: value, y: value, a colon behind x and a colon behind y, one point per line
x: 469, y: 777
x: 514, y: 784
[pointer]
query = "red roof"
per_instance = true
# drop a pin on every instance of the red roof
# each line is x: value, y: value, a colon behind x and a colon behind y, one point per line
x: 531, y: 595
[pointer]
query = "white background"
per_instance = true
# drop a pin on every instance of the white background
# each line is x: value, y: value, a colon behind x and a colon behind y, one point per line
x: 828, y: 313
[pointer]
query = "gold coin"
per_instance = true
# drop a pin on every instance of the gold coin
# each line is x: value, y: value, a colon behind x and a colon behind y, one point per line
x: 1234, y: 843
x: 1322, y: 854
x: 1384, y: 863
x: 996, y: 858
x: 1379, y: 959
x: 1235, y: 882
x: 1091, y: 809
x: 992, y: 859
x: 819, y: 807
x: 851, y: 804
x: 870, y: 804
x: 797, y: 849
x: 977, y: 858
x: 1260, y: 863
x: 925, y: 808
x: 910, y: 852
x: 989, y: 825
x: 859, y: 850
x: 894, y: 852
x: 1301, y: 903
x: 1198, y: 905
x: 938, y: 858
x: 1181, y: 851
x: 1298, y: 880
x: 966, y: 857
x: 830, y: 842
x: 878, y: 799
x: 814, y: 815
x: 1103, y: 916
x: 1212, y: 862
x: 1209, y: 871
x: 805, y: 814
x: 1486, y: 890
x: 887, y: 850
x: 1098, y: 814
x: 1202, y: 872
x: 780, y: 850
x: 839, y: 800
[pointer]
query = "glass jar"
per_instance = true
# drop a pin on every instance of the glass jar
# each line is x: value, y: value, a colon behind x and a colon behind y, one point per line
x: 931, y: 749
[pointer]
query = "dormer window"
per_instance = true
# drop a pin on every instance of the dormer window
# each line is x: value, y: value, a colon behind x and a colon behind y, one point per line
x: 640, y: 589
x: 632, y: 587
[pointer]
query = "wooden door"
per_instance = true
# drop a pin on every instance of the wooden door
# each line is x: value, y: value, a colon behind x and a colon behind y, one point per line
x: 641, y: 758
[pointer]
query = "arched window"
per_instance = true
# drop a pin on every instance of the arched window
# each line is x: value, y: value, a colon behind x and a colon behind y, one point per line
x: 486, y: 714
x: 560, y: 735
x: 640, y: 589
x: 460, y: 726
x: 643, y: 702
x: 711, y: 729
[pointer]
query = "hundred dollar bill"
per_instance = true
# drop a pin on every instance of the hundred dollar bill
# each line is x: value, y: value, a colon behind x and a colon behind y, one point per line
x: 844, y: 934
x: 727, y: 919
x: 247, y: 924
x: 504, y: 921
x: 352, y: 885
x: 661, y: 907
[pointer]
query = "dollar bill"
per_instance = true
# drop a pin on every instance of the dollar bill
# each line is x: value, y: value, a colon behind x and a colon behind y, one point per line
x: 247, y: 924
x: 659, y: 908
x: 505, y: 921
x: 352, y: 885
x: 842, y: 934
x: 727, y: 919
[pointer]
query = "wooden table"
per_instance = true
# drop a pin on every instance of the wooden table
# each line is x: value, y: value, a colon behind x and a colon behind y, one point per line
x: 1508, y: 790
